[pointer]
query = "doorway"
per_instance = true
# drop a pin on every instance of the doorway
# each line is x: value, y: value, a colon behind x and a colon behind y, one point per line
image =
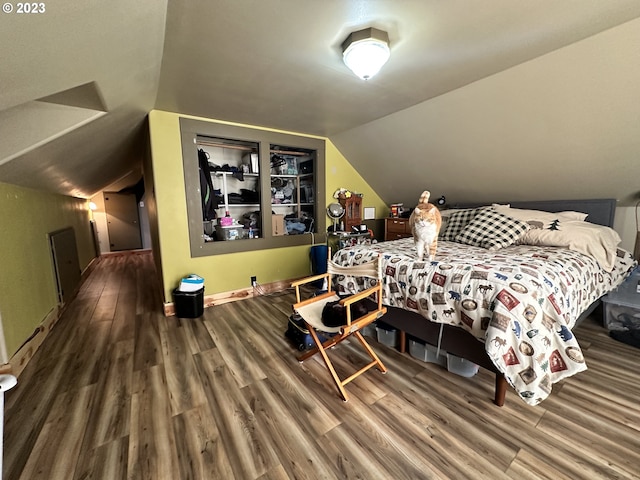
x: 123, y: 222
x: 64, y: 253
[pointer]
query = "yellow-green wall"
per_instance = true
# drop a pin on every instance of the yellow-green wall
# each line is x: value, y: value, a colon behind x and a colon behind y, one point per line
x: 27, y: 281
x: 223, y: 273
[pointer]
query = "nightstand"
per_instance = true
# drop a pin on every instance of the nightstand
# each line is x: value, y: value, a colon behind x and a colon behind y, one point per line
x: 396, y: 227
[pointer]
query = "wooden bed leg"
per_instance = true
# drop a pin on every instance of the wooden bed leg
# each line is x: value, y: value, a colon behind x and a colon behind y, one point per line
x: 501, y: 389
x: 403, y: 341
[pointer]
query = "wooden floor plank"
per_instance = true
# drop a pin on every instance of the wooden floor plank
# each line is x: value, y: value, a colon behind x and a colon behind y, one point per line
x: 88, y: 358
x: 64, y: 428
x: 314, y: 417
x: 107, y: 462
x: 26, y: 410
x: 112, y: 401
x: 248, y: 447
x: 296, y: 450
x: 183, y: 382
x: 527, y: 466
x: 612, y: 459
x: 197, y: 335
x: 599, y: 413
x: 393, y: 450
x: 352, y: 459
x: 276, y: 473
x: 148, y: 345
x: 230, y: 344
x: 106, y: 307
x: 201, y: 451
x: 123, y: 325
x: 455, y: 416
x: 442, y: 446
x: 152, y: 451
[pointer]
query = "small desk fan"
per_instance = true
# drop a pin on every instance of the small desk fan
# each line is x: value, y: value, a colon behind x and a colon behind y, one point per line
x: 335, y: 211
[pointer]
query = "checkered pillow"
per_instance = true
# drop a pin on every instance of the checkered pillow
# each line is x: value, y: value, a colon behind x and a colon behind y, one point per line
x: 492, y: 230
x: 455, y: 223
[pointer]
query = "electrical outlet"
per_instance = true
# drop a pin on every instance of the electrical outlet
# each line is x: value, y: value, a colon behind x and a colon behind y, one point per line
x: 254, y: 281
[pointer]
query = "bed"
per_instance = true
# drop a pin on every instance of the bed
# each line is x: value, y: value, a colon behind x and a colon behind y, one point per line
x: 506, y: 306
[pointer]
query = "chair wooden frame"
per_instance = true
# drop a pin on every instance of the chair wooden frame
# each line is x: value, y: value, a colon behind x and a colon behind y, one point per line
x: 353, y: 327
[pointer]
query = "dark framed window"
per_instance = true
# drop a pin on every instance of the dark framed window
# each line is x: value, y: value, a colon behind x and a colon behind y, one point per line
x: 251, y: 189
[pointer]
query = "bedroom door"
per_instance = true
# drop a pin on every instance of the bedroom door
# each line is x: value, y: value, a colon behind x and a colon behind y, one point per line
x: 123, y: 223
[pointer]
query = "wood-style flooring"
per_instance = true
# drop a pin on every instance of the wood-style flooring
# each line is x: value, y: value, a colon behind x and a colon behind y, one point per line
x: 118, y: 391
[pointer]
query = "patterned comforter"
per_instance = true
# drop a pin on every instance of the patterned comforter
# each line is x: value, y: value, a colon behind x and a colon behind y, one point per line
x: 521, y: 301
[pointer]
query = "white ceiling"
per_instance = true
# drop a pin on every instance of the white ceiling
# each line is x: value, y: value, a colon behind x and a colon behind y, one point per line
x: 274, y: 63
x: 278, y: 63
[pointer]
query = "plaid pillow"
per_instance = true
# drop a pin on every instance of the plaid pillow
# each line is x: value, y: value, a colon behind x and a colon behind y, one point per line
x: 492, y: 230
x: 456, y: 222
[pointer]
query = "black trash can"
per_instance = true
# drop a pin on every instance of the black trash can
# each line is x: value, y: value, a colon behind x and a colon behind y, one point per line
x: 188, y: 304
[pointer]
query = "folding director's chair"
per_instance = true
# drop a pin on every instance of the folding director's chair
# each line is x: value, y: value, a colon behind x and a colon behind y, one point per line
x: 311, y: 311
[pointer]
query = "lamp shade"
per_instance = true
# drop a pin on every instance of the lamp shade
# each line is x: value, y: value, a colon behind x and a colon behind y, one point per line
x: 366, y: 51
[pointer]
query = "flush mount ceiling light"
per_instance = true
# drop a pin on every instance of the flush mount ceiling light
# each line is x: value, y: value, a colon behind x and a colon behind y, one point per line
x: 366, y: 51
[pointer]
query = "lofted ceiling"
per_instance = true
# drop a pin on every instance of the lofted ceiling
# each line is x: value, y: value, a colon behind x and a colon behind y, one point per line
x: 478, y: 99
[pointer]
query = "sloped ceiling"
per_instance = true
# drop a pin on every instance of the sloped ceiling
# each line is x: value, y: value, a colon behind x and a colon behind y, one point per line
x: 565, y: 125
x: 77, y: 82
x: 462, y: 78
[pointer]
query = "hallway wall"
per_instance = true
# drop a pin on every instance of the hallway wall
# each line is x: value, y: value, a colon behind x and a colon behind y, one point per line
x: 27, y: 279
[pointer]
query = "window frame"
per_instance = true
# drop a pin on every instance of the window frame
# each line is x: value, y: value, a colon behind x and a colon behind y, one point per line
x: 191, y: 129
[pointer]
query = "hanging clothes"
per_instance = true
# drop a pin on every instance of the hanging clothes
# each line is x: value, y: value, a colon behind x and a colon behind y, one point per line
x: 209, y: 203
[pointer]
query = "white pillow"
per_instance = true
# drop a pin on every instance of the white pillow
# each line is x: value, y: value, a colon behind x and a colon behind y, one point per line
x: 595, y: 240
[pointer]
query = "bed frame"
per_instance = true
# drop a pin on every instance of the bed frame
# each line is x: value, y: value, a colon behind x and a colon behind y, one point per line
x: 459, y: 342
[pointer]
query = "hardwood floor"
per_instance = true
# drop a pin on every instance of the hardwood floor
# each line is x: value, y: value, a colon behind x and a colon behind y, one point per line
x: 118, y: 391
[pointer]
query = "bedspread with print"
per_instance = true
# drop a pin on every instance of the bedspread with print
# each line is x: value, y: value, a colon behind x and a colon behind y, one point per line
x: 521, y: 301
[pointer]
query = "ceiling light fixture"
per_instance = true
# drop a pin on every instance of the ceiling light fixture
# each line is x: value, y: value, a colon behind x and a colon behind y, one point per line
x: 366, y: 51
